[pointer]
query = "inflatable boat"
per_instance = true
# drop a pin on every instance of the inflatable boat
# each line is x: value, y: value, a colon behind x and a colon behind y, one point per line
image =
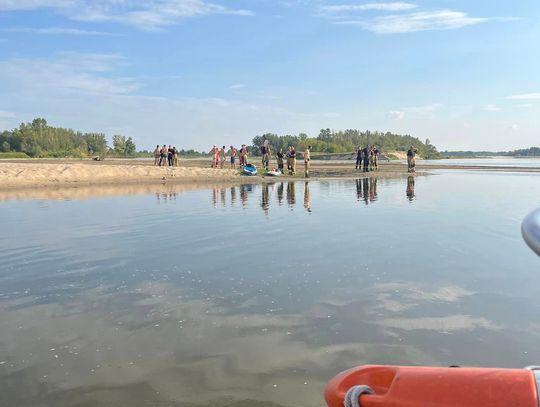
x: 249, y: 169
x: 274, y: 173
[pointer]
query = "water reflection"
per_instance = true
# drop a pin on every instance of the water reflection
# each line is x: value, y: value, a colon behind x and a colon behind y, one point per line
x: 291, y: 193
x: 105, y: 311
x: 307, y: 197
x: 410, y: 188
x: 366, y: 190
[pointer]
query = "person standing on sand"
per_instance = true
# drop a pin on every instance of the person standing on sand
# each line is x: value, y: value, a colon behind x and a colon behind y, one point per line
x: 245, y: 154
x: 307, y: 159
x: 170, y: 156
x: 288, y: 155
x: 156, y: 155
x: 265, y: 152
x: 215, y: 156
x: 375, y: 158
x: 292, y: 155
x: 279, y: 156
x: 233, y: 157
x: 411, y: 160
x: 365, y: 157
x: 175, y: 157
x: 163, y: 156
x: 359, y: 158
x: 222, y: 153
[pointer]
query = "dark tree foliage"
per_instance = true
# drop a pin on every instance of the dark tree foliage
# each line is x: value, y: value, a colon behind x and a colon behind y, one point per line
x: 38, y: 139
x: 346, y: 141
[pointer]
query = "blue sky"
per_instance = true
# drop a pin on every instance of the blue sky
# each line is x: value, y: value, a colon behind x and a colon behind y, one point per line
x: 465, y: 74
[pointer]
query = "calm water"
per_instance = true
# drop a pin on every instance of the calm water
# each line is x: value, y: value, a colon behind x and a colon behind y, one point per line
x: 256, y: 295
x: 486, y: 162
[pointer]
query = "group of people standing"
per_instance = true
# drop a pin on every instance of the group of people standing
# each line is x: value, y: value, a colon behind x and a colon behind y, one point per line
x: 290, y: 158
x: 219, y: 156
x: 369, y: 156
x: 166, y: 156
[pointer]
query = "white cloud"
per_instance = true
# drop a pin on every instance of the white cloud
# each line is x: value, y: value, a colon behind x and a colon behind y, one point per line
x: 59, y: 31
x: 397, y: 114
x: 148, y: 15
x: 340, y: 8
x: 525, y: 96
x: 71, y: 72
x: 401, y: 113
x: 237, y: 86
x: 14, y: 5
x: 492, y: 108
x: 515, y: 127
x: 419, y: 21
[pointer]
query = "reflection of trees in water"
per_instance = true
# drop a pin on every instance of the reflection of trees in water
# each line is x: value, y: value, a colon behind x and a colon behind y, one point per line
x: 410, y: 188
x: 291, y: 193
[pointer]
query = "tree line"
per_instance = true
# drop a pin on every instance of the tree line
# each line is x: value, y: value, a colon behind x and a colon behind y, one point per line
x: 524, y: 152
x: 346, y: 141
x: 38, y: 139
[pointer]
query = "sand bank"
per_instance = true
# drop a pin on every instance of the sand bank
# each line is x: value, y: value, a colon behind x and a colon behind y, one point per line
x: 17, y: 174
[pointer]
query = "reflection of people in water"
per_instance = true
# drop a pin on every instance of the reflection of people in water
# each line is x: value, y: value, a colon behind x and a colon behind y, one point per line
x: 243, y: 194
x: 280, y: 193
x: 291, y: 198
x: 410, y: 188
x: 373, y: 190
x: 365, y: 185
x: 265, y: 197
x: 358, y: 189
x: 214, y: 197
x: 366, y: 189
x: 307, y: 197
x: 222, y: 195
x: 233, y: 195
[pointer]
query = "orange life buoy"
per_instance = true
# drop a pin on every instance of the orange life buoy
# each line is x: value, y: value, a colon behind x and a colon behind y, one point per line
x: 410, y: 386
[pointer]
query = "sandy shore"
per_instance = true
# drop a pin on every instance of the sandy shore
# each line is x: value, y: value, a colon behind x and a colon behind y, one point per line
x: 37, y: 173
x: 54, y: 173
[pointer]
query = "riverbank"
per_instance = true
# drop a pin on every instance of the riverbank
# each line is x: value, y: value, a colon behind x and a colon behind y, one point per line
x: 48, y: 173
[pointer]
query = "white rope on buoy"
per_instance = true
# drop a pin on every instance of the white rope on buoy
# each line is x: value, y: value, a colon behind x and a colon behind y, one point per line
x: 352, y: 397
x: 530, y: 230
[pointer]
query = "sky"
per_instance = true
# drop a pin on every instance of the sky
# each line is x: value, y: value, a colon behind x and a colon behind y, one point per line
x: 194, y: 73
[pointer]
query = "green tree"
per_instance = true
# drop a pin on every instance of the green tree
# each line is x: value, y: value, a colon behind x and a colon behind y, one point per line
x: 129, y: 147
x: 96, y: 143
x: 119, y: 144
x: 6, y: 148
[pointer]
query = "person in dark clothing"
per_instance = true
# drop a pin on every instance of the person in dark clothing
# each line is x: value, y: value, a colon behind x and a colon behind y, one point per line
x: 365, y: 157
x: 411, y: 160
x: 359, y: 158
x: 280, y: 157
x: 170, y: 156
x: 375, y: 158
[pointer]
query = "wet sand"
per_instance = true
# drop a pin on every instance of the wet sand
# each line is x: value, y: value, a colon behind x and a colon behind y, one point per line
x: 76, y: 173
